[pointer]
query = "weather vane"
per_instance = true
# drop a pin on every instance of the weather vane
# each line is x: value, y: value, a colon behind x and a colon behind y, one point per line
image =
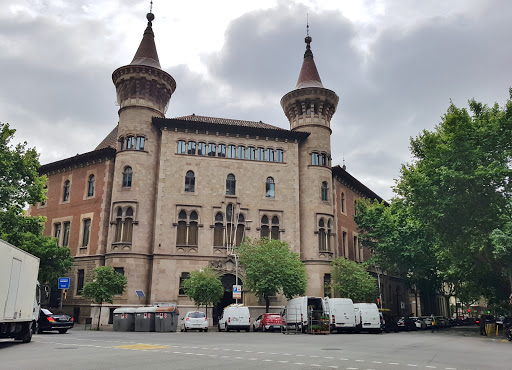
x: 151, y: 6
x: 307, y: 24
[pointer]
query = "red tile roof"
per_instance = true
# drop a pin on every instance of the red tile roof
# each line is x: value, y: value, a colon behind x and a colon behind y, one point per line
x: 226, y: 121
x: 110, y: 141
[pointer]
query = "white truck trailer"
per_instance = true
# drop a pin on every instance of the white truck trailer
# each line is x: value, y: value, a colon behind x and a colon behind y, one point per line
x: 19, y: 293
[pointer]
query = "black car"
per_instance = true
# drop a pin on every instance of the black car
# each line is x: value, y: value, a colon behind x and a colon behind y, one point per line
x: 49, y: 321
x: 406, y: 324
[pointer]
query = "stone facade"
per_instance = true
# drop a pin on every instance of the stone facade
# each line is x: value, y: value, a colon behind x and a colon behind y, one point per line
x: 164, y: 204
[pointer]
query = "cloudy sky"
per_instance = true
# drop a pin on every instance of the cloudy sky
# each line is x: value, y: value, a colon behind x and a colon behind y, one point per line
x: 395, y: 65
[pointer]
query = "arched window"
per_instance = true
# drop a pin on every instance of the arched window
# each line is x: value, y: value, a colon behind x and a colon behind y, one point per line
x: 279, y: 155
x: 325, y: 195
x: 187, y: 231
x: 270, y: 188
x: 264, y: 231
x: 240, y: 230
x: 355, y: 207
x: 90, y: 186
x: 274, y: 234
x: 192, y: 147
x: 127, y: 177
x: 140, y: 142
x: 65, y: 195
x: 323, y: 160
x: 201, y: 148
x: 124, y: 225
x: 231, y: 151
x: 212, y: 150
x: 230, y: 185
x: 218, y: 233
x: 241, y: 152
x: 182, y: 147
x: 321, y: 235
x: 343, y: 202
x: 270, y: 155
x: 190, y: 182
x: 329, y: 235
x: 130, y: 142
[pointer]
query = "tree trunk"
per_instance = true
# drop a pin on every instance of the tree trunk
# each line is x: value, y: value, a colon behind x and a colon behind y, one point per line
x: 267, y: 302
x: 99, y: 317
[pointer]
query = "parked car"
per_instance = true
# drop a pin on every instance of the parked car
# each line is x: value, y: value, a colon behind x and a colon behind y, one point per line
x: 342, y: 316
x: 367, y: 317
x: 427, y: 320
x: 298, y: 309
x: 49, y: 321
x: 235, y: 317
x: 388, y: 323
x: 194, y: 320
x: 268, y: 321
x: 420, y: 324
x: 441, y: 321
x: 406, y: 324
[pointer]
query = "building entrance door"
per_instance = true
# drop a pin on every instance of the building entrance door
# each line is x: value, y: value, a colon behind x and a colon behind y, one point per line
x: 228, y: 281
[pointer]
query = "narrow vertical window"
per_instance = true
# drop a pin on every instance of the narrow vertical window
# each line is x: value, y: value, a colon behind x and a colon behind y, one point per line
x: 192, y: 229
x: 241, y: 152
x: 270, y: 188
x: 80, y: 281
x: 314, y: 159
x: 212, y: 150
x: 343, y: 202
x: 222, y: 150
x: 87, y: 233
x: 230, y: 185
x: 270, y: 155
x: 182, y: 147
x: 231, y: 151
x: 325, y: 193
x: 192, y: 147
x: 190, y: 182
x: 130, y: 142
x: 327, y: 285
x: 274, y: 233
x: 184, y: 276
x: 201, y: 148
x: 356, y: 247
x: 65, y: 237
x: 181, y: 234
x: 218, y: 233
x: 121, y: 143
x: 128, y: 225
x: 264, y: 231
x: 324, y: 160
x: 279, y: 155
x: 140, y: 142
x: 43, y: 202
x: 251, y: 153
x: 127, y: 177
x: 260, y: 154
x: 65, y: 195
x: 90, y: 186
x: 321, y: 235
x: 119, y: 225
x: 56, y: 232
x: 329, y: 234
x: 344, y: 244
x: 240, y: 230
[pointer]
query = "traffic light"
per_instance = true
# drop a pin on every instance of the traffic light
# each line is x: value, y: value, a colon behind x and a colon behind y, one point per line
x: 64, y: 293
x: 488, y: 311
x: 469, y: 309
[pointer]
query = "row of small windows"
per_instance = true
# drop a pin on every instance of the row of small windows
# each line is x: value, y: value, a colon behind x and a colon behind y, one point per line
x: 320, y: 159
x: 228, y: 230
x: 67, y: 188
x: 132, y: 142
x: 230, y: 151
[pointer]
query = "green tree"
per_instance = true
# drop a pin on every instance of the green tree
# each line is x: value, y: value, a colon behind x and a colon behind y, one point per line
x: 20, y: 185
x: 204, y: 287
x: 271, y: 268
x: 457, y: 190
x: 351, y: 280
x: 106, y: 283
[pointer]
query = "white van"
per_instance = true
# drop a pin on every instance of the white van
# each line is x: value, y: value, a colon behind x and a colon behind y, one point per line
x: 295, y: 314
x: 367, y: 317
x: 342, y: 316
x: 235, y: 317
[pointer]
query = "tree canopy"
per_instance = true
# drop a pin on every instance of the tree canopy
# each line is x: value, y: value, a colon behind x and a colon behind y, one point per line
x: 453, y: 203
x: 204, y: 287
x: 351, y: 280
x: 21, y: 185
x: 106, y: 283
x: 270, y: 268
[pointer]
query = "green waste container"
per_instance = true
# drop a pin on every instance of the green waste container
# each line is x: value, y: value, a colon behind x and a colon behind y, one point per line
x: 166, y: 318
x: 145, y: 319
x: 124, y: 319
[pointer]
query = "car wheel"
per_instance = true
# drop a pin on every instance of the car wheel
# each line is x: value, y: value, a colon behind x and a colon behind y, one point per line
x: 200, y: 330
x: 206, y: 330
x: 39, y: 330
x: 248, y: 329
x: 63, y: 331
x: 254, y: 329
x: 238, y: 330
x: 185, y: 329
x: 263, y: 329
x: 218, y: 327
x: 227, y: 328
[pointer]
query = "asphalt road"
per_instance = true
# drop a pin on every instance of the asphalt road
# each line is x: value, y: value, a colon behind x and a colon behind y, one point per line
x: 452, y: 348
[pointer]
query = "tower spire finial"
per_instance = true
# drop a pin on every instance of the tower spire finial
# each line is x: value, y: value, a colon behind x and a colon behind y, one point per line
x: 307, y: 24
x: 150, y: 16
x: 151, y: 6
x: 308, y: 39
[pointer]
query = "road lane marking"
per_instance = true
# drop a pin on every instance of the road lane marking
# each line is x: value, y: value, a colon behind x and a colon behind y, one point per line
x: 300, y: 363
x: 411, y: 365
x: 315, y: 365
x: 252, y: 358
x: 283, y: 362
x: 359, y: 360
x: 268, y: 360
x: 394, y: 363
x: 376, y: 362
x: 140, y: 346
x: 431, y: 367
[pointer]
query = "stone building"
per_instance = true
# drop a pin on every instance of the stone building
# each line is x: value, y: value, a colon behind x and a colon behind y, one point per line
x: 161, y: 197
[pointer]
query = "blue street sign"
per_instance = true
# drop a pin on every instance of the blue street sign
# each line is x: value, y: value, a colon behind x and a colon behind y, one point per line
x: 64, y: 283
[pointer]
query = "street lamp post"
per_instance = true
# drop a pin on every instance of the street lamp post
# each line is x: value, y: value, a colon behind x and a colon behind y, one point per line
x: 377, y: 270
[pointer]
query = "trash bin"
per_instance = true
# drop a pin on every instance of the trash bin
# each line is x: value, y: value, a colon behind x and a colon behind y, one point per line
x: 166, y: 318
x: 124, y: 319
x: 145, y: 319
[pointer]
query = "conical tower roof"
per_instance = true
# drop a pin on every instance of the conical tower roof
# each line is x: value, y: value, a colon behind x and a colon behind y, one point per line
x: 308, y: 76
x: 146, y: 53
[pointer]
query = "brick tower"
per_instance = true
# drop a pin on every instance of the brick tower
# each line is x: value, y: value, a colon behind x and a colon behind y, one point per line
x: 143, y: 91
x: 309, y: 108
